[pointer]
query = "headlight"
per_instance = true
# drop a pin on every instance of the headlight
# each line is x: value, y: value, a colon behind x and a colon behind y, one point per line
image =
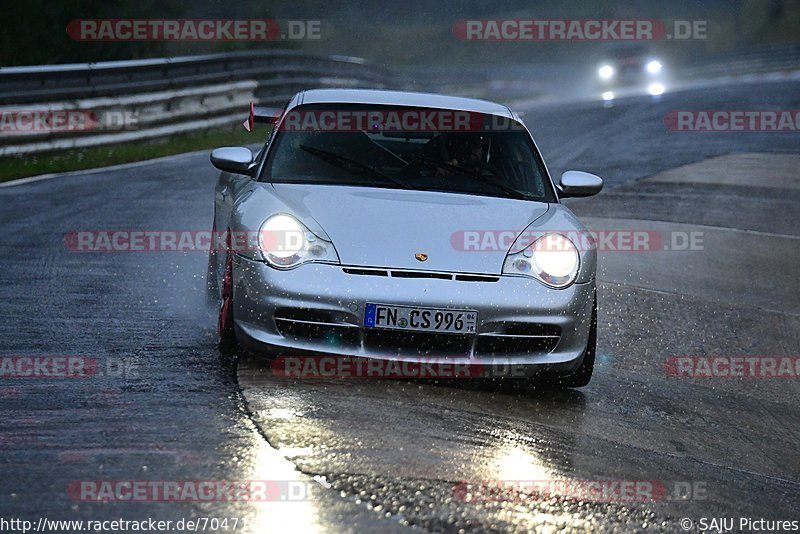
x: 285, y: 243
x: 605, y: 72
x: 552, y: 258
x: 654, y: 67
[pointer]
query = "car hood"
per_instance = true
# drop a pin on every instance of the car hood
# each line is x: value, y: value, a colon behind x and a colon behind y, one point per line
x: 387, y: 227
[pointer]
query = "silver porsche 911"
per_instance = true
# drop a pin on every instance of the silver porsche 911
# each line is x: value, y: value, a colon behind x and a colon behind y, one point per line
x: 407, y: 227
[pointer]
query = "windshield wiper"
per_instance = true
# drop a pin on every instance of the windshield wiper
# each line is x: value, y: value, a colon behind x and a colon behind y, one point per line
x: 344, y: 162
x: 476, y: 175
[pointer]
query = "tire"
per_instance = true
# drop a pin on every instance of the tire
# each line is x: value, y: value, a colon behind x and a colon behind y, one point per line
x: 225, y: 330
x: 212, y: 285
x: 583, y: 374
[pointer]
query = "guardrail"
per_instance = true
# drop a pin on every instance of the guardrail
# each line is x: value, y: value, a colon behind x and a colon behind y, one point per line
x: 167, y: 95
x: 277, y: 72
x: 774, y: 58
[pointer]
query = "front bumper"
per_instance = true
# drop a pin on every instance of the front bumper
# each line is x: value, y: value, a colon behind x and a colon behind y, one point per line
x: 319, y: 309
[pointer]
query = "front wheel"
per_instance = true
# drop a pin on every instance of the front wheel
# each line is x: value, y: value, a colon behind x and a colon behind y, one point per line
x: 583, y: 374
x: 212, y: 285
x: 225, y: 330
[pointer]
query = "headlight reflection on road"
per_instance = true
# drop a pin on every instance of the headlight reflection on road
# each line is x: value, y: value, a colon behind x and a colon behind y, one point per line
x: 296, y: 509
x: 515, y: 464
x: 520, y: 468
x: 655, y: 89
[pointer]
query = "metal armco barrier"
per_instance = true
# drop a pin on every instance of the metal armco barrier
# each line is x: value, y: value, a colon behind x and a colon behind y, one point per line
x: 166, y: 95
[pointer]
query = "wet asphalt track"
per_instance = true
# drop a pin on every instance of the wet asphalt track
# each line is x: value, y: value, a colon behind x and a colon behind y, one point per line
x: 392, y: 451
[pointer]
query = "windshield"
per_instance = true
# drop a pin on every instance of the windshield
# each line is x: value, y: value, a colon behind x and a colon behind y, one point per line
x: 406, y: 148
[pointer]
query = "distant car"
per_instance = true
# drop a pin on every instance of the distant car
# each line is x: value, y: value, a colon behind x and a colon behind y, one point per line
x: 349, y: 239
x: 627, y: 69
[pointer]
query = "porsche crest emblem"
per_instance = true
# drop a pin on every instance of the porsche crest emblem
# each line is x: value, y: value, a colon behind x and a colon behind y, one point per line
x: 421, y: 256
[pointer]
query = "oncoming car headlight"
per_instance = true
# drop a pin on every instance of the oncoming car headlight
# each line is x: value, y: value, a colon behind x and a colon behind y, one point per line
x: 285, y: 242
x: 552, y: 258
x: 654, y: 66
x: 605, y: 72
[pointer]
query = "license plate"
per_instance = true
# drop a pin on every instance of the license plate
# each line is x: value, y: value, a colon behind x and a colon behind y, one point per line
x: 420, y: 319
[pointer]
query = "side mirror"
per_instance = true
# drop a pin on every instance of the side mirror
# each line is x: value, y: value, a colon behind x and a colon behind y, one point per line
x: 579, y: 184
x: 237, y: 160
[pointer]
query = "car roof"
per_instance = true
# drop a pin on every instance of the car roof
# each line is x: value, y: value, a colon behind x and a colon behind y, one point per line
x: 400, y: 98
